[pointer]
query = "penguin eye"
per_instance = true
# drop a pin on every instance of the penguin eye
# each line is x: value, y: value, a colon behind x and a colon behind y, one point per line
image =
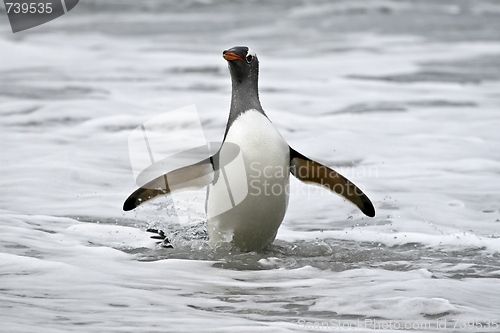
x: 249, y: 58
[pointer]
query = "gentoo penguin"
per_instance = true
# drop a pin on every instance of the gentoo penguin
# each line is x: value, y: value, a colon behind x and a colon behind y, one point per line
x: 251, y: 223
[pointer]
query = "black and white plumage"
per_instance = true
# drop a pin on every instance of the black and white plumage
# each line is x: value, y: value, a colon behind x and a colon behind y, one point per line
x: 253, y: 222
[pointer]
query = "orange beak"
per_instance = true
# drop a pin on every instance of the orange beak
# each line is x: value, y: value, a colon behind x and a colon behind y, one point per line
x: 232, y: 56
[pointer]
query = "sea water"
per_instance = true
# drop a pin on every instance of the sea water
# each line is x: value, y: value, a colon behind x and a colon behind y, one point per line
x: 402, y: 97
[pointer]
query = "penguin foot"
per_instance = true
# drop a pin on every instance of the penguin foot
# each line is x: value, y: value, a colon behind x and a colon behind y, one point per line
x: 159, y: 234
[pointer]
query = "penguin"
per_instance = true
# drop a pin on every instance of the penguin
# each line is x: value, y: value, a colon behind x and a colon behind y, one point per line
x: 250, y: 224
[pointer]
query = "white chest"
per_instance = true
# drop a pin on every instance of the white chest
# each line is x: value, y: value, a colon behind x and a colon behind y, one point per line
x: 256, y: 184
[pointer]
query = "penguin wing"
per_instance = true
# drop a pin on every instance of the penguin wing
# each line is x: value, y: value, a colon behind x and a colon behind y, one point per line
x: 310, y: 171
x: 192, y: 177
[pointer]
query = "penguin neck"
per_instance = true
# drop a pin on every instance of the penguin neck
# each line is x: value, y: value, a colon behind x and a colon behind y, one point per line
x: 245, y: 96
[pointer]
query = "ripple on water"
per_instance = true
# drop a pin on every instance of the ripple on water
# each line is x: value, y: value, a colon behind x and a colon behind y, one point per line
x: 191, y: 243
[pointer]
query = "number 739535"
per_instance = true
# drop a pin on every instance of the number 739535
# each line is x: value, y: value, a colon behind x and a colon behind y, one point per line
x: 32, y: 8
x: 484, y: 324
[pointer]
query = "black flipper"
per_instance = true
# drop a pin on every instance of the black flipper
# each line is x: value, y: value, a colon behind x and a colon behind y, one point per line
x: 310, y: 171
x: 192, y: 177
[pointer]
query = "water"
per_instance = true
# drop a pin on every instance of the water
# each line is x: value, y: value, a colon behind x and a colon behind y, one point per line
x: 402, y: 97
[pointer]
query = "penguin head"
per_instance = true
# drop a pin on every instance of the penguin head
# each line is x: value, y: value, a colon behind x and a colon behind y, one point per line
x: 243, y: 63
